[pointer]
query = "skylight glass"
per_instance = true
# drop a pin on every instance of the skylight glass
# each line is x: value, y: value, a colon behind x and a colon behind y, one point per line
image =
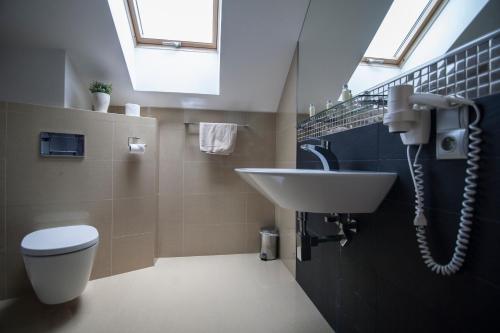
x: 187, y: 21
x: 400, y: 27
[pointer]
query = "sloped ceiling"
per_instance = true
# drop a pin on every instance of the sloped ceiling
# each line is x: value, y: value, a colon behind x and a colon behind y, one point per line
x: 258, y: 41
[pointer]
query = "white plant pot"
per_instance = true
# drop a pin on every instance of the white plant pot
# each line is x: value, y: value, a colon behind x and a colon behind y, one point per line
x: 100, y: 101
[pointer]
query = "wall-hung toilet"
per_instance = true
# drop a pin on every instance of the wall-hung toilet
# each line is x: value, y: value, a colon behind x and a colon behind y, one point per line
x: 59, y: 261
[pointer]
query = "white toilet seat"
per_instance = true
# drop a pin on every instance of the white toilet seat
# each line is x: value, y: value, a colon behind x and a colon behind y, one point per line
x: 60, y: 240
x: 59, y: 261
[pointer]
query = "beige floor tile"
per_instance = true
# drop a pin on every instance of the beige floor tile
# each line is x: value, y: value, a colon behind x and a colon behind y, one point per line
x: 211, y: 294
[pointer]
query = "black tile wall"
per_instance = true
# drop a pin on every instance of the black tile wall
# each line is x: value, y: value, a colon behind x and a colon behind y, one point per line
x: 379, y: 283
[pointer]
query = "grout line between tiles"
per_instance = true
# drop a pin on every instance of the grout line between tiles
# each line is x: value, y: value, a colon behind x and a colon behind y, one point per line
x: 112, y: 201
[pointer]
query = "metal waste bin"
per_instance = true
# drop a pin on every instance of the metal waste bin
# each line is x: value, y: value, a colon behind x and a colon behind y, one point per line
x: 268, y: 243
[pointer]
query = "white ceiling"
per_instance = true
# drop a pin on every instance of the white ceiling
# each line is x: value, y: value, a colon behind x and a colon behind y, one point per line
x: 258, y: 41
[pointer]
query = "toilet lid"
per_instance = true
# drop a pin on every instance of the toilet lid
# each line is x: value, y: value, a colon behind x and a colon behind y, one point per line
x: 60, y: 240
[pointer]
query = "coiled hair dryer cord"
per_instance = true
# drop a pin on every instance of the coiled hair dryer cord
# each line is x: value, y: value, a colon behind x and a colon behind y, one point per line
x: 467, y: 211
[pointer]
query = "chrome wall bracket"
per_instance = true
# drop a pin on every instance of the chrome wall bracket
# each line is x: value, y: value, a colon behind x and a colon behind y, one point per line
x: 347, y: 226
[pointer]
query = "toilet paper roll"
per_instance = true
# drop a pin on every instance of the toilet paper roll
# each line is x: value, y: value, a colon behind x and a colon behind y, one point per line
x: 133, y: 110
x: 137, y: 148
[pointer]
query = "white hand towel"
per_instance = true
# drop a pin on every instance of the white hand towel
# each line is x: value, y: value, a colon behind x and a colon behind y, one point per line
x: 216, y: 138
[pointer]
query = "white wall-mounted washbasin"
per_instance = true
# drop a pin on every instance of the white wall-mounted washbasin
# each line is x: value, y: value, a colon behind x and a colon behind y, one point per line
x: 319, y: 191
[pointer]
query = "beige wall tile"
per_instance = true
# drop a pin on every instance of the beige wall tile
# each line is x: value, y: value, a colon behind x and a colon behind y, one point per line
x: 168, y: 119
x: 134, y: 215
x: 146, y: 134
x: 170, y: 206
x: 288, y: 249
x: 50, y: 180
x: 203, y: 177
x: 139, y: 121
x: 199, y: 239
x: 170, y: 177
x: 285, y: 218
x: 285, y: 120
x: 254, y: 145
x: 170, y: 238
x: 262, y: 121
x: 214, y: 209
x: 233, y: 208
x: 230, y: 238
x: 132, y: 252
x: 286, y: 158
x: 259, y: 210
x: 212, y: 116
x: 134, y: 179
x: 286, y: 149
x: 24, y: 129
x: 204, y: 239
x: 171, y: 144
x: 286, y: 165
x: 23, y: 219
x: 253, y: 237
x: 47, y: 192
x: 119, y: 109
x: 285, y: 221
x: 201, y: 209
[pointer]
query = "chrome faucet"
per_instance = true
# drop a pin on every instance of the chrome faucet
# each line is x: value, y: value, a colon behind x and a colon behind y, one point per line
x: 320, y: 151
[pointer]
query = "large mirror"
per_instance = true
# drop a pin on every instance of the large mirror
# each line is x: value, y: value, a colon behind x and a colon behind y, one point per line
x: 333, y: 40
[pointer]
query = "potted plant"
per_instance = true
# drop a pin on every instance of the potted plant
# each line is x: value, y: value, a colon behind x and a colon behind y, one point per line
x: 100, y: 96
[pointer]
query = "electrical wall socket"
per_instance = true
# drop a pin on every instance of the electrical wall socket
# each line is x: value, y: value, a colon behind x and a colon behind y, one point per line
x: 452, y: 135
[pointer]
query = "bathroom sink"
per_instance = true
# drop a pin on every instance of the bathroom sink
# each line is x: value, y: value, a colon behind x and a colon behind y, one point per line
x: 319, y: 191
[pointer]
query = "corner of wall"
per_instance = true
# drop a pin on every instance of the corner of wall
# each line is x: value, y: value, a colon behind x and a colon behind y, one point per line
x: 75, y: 91
x: 286, y: 138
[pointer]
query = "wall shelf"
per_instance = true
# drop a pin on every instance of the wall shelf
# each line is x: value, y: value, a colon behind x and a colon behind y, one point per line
x: 470, y: 71
x: 359, y: 111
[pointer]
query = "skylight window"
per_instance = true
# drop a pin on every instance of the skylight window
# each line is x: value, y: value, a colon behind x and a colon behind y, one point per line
x: 399, y: 30
x: 178, y: 23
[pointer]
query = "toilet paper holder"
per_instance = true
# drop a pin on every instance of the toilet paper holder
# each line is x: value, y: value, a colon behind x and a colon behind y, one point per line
x: 135, y: 140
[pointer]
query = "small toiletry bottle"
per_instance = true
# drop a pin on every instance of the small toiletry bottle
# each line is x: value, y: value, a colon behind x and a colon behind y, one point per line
x: 346, y: 94
x: 312, y: 110
x: 329, y: 104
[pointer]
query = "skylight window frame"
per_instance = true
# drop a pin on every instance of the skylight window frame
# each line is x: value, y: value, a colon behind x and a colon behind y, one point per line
x: 415, y: 33
x: 140, y: 40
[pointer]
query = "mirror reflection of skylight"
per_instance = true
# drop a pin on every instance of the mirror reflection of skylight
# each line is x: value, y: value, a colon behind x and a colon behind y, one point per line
x: 399, y: 28
x: 177, y: 20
